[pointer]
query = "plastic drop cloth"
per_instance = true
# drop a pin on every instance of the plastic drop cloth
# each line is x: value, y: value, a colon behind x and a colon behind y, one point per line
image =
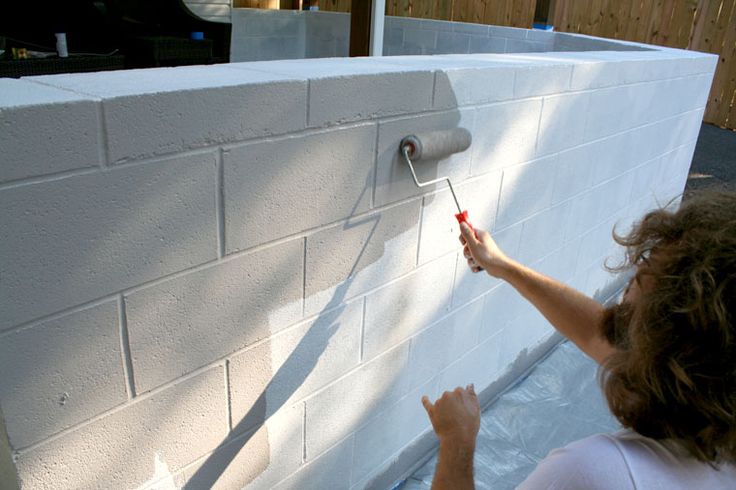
x: 560, y: 401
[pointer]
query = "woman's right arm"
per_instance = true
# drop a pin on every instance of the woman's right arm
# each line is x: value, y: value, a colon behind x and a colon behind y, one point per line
x: 573, y: 314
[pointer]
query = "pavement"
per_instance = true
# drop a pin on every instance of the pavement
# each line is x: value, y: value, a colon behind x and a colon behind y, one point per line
x: 714, y: 162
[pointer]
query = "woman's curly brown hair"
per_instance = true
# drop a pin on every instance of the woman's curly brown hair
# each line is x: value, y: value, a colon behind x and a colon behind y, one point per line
x: 673, y: 375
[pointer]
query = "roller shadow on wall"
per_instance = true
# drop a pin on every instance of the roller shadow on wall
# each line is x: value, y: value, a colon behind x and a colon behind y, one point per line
x: 251, y: 429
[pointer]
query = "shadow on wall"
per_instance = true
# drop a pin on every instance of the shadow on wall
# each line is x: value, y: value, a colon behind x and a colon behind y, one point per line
x: 286, y: 379
x: 370, y: 242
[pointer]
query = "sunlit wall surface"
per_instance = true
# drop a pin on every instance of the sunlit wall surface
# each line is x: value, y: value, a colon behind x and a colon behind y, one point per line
x: 224, y: 276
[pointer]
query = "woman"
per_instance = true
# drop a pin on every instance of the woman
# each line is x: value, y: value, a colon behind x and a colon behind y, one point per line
x: 667, y: 355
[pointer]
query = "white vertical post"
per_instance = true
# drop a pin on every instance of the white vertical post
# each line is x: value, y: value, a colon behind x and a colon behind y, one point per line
x: 378, y: 12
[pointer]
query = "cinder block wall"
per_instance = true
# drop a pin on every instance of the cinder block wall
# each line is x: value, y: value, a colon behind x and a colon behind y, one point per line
x: 223, y: 276
x: 260, y: 35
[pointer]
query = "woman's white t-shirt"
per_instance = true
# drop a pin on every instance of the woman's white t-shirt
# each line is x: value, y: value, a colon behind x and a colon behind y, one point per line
x: 626, y: 460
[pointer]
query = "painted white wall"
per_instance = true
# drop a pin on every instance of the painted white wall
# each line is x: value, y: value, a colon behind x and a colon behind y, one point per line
x: 288, y: 34
x: 225, y: 275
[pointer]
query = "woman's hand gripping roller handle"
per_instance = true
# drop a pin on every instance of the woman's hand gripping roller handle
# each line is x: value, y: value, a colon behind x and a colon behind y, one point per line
x: 462, y: 217
x: 434, y: 146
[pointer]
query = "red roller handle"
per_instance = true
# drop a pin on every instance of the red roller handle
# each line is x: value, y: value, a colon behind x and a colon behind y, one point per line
x: 463, y: 218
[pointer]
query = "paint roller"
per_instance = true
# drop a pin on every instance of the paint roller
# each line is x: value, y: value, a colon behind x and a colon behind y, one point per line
x: 435, y: 145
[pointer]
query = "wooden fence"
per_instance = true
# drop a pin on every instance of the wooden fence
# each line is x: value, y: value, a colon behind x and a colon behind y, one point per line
x: 516, y: 13
x: 700, y: 25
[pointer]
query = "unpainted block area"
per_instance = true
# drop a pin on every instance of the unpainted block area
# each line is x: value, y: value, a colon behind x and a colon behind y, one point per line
x: 332, y: 170
x: 60, y: 373
x: 77, y: 239
x: 39, y: 121
x: 193, y: 320
x: 127, y: 448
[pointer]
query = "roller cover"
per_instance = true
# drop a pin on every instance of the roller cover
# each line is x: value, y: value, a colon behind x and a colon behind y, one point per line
x: 435, y: 145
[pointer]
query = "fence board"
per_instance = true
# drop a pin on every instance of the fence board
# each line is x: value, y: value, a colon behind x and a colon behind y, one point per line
x: 516, y: 13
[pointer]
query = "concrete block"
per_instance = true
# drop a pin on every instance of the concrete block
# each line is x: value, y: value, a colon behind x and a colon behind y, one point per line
x: 614, y: 156
x: 259, y: 22
x: 377, y: 442
x: 500, y: 306
x: 344, y: 406
x: 162, y: 432
x: 617, y: 192
x: 440, y: 230
x: 585, y: 212
x: 373, y: 250
x: 333, y: 172
x: 317, y: 47
x: 525, y: 190
x: 469, y: 285
x: 470, y: 28
x: 436, y: 25
x: 59, y: 373
x: 525, y: 46
x: 393, y: 179
x: 408, y: 50
x: 562, y: 124
x: 560, y: 264
x: 331, y: 470
x: 595, y: 245
x: 353, y: 89
x: 538, y: 35
x: 514, y: 126
x: 405, y: 22
x: 645, y: 179
x: 164, y: 110
x: 675, y: 96
x: 291, y: 366
x: 654, y: 140
x: 461, y: 87
x: 479, y: 44
x: 190, y: 321
x: 598, y: 282
x: 599, y: 74
x: 544, y: 232
x: 401, y: 309
x: 452, y: 42
x: 74, y: 239
x: 39, y: 121
x: 463, y: 80
x: 436, y: 347
x: 507, y: 32
x: 610, y: 111
x: 481, y: 366
x: 420, y: 38
x: 271, y: 48
x: 522, y: 335
x: 393, y: 37
x: 256, y: 460
x: 327, y: 24
x: 541, y: 79
x: 574, y: 172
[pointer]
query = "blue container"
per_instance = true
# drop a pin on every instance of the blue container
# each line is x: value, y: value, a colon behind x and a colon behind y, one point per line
x: 543, y: 27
